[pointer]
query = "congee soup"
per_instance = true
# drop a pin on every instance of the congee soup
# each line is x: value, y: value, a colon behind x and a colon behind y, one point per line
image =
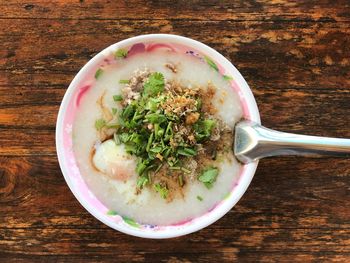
x: 153, y: 135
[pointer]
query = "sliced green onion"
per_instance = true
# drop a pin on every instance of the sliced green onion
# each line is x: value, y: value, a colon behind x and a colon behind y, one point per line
x: 98, y: 73
x: 117, y: 98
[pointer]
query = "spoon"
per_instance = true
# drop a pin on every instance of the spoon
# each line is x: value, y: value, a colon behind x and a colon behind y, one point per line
x: 253, y: 142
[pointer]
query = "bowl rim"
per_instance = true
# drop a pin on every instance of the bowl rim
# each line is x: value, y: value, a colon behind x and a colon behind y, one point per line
x: 245, y: 177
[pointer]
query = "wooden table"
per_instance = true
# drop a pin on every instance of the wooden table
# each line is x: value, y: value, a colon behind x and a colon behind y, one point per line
x: 295, y: 55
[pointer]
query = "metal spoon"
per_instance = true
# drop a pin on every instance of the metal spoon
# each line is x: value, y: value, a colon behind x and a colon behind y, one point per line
x: 253, y: 142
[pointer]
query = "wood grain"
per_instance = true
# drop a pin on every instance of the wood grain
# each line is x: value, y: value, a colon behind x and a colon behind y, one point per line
x: 295, y: 56
x: 263, y: 10
x: 305, y: 220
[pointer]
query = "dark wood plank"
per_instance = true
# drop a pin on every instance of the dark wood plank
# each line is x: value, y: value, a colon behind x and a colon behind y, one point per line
x: 277, y: 54
x: 26, y: 141
x: 264, y: 10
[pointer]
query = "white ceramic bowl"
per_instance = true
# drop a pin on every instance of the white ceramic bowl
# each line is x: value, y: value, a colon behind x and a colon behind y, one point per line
x: 79, y: 85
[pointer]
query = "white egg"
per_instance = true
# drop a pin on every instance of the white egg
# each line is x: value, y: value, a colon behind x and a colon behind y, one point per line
x: 112, y: 160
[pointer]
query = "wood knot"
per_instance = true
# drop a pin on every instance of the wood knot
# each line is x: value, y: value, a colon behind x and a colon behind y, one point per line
x: 29, y: 7
x: 7, y: 182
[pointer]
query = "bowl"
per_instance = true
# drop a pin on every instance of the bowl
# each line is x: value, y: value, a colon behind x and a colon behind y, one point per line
x: 66, y: 115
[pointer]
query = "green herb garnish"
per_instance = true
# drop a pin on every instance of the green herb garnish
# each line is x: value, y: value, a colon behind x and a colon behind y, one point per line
x: 112, y: 125
x: 98, y: 73
x: 203, y: 129
x: 208, y: 176
x: 116, y: 139
x: 142, y: 181
x: 124, y: 81
x: 156, y: 118
x: 162, y: 190
x: 117, y: 98
x: 211, y: 63
x: 130, y: 221
x: 186, y: 151
x: 153, y: 129
x: 99, y: 124
x: 154, y: 84
x: 112, y: 213
x: 227, y: 77
x: 121, y: 53
x: 199, y: 198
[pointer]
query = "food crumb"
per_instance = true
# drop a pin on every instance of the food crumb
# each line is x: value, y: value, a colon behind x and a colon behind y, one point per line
x: 171, y: 66
x: 192, y: 118
x: 199, y: 198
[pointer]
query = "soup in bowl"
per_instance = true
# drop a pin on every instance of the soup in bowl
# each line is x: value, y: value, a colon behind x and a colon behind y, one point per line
x: 145, y: 136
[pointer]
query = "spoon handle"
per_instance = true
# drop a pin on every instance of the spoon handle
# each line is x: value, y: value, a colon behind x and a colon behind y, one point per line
x: 253, y: 142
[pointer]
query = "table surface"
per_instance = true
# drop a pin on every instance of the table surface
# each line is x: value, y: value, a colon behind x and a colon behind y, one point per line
x: 295, y: 55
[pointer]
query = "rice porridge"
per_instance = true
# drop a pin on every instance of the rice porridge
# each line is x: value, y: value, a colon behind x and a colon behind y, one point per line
x: 153, y: 137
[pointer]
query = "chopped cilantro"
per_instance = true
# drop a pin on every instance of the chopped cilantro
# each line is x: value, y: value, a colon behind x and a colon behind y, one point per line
x: 112, y: 213
x: 117, y: 98
x: 154, y: 85
x: 203, y: 128
x: 162, y: 190
x: 199, y: 198
x: 208, y: 176
x: 141, y: 166
x: 99, y: 124
x: 156, y: 118
x: 130, y: 222
x: 153, y: 128
x: 142, y: 181
x: 121, y: 53
x: 98, y: 73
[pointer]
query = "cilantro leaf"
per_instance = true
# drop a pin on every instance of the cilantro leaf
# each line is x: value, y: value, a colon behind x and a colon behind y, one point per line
x: 112, y: 213
x: 130, y: 222
x: 155, y: 118
x: 121, y: 53
x: 203, y: 129
x: 99, y: 124
x: 142, y: 181
x: 208, y: 176
x: 154, y: 84
x: 98, y: 73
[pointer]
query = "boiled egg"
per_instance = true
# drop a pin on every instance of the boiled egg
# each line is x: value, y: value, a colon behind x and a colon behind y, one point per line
x: 112, y: 160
